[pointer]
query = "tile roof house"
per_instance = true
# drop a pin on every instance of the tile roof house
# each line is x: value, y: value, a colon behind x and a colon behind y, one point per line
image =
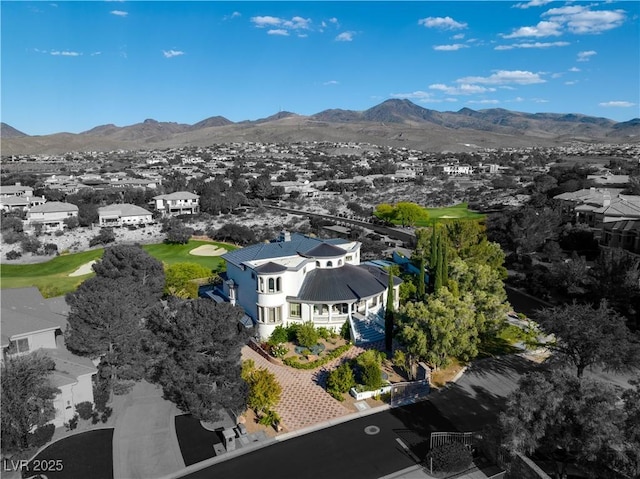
x: 178, y: 203
x: 31, y: 323
x: 297, y: 278
x: 51, y: 215
x: 123, y: 214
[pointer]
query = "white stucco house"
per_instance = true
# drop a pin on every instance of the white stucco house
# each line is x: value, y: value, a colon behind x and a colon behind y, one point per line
x: 31, y: 323
x: 298, y: 279
x: 124, y: 214
x: 178, y: 203
x: 51, y: 215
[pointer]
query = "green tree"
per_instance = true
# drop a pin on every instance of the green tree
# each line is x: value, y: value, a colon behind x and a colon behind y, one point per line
x: 389, y: 315
x: 307, y: 335
x: 565, y: 418
x: 586, y: 336
x: 409, y: 213
x: 179, y: 279
x: 194, y: 354
x: 385, y: 212
x: 177, y: 232
x: 421, y: 286
x: 340, y: 380
x: 27, y: 398
x: 264, y: 389
x: 108, y: 312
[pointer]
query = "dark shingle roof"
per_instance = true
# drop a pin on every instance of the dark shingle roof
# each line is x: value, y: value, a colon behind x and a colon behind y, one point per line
x: 270, y: 267
x: 276, y: 250
x: 347, y: 283
x: 325, y: 250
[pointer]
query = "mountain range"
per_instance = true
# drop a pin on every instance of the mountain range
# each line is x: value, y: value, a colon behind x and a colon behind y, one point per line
x: 393, y: 122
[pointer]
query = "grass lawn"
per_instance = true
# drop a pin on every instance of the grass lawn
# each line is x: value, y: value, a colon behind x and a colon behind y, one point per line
x: 179, y: 253
x: 88, y: 454
x: 52, y: 278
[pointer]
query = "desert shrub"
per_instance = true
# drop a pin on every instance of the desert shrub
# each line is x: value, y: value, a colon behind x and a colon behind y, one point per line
x: 11, y: 223
x: 73, y: 422
x: 30, y: 244
x: 340, y: 380
x: 106, y: 414
x: 71, y: 222
x: 370, y: 356
x: 324, y: 333
x: 279, y: 350
x: 42, y: 435
x: 307, y: 335
x: 105, y: 236
x: 292, y: 332
x: 101, y: 389
x: 345, y: 331
x: 95, y: 417
x: 279, y: 335
x: 294, y: 363
x: 450, y: 457
x: 50, y: 249
x: 269, y: 418
x: 59, y: 233
x: 13, y: 254
x: 12, y: 237
x: 84, y: 409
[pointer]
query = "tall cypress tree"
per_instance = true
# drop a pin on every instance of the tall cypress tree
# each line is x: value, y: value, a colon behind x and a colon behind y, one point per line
x: 388, y: 314
x: 421, y: 289
x: 433, y: 257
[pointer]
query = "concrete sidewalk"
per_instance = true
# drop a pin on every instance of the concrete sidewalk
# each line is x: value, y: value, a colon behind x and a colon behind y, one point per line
x: 145, y: 445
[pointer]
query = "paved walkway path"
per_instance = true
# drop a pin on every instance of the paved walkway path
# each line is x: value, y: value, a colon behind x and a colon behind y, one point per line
x: 304, y: 399
x: 145, y: 445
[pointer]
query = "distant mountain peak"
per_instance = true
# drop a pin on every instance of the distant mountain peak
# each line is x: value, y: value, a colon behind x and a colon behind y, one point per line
x: 7, y: 131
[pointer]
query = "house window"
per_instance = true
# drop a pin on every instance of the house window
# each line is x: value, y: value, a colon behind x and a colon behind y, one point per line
x: 339, y: 262
x: 295, y: 310
x: 317, y: 264
x: 274, y: 285
x: 329, y: 264
x: 349, y: 257
x: 269, y: 315
x: 261, y: 285
x: 253, y: 275
x: 18, y: 346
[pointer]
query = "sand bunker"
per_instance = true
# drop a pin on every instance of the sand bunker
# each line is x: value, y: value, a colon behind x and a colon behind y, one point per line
x: 84, y: 269
x: 208, y: 250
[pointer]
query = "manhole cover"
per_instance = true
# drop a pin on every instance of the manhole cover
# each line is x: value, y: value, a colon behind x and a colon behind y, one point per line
x: 371, y: 430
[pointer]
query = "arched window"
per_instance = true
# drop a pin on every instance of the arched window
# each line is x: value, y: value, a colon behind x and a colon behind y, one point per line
x: 272, y: 285
x: 261, y: 285
x: 329, y: 264
x: 339, y: 262
x: 278, y: 284
x: 317, y: 264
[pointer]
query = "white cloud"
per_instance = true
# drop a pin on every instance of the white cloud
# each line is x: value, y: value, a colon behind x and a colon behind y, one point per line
x: 278, y: 31
x: 296, y: 23
x: 450, y: 48
x: 500, y: 77
x: 464, y: 89
x: 416, y: 95
x: 484, y: 102
x: 334, y: 20
x: 580, y: 19
x: 345, y: 37
x: 96, y: 54
x: 532, y: 3
x: 571, y: 82
x: 172, y: 53
x: 542, y: 29
x: 119, y: 13
x: 443, y: 23
x: 586, y: 56
x: 266, y: 21
x: 331, y: 82
x: 617, y: 104
x: 458, y: 36
x: 574, y: 69
x: 65, y: 53
x: 532, y: 45
x: 232, y: 16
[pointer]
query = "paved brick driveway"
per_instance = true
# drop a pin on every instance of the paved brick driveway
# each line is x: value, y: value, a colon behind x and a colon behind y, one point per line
x: 304, y: 400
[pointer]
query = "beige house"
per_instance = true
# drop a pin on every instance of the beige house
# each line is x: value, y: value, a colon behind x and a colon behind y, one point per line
x: 31, y: 323
x: 178, y: 203
x: 51, y: 215
x: 123, y: 214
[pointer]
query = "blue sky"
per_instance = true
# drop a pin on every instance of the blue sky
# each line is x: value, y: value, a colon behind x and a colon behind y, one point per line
x: 70, y: 66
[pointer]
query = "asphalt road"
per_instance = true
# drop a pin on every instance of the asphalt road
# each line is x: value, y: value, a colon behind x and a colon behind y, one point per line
x: 348, y: 451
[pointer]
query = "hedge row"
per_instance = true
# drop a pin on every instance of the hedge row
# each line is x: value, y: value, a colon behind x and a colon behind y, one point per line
x: 294, y: 363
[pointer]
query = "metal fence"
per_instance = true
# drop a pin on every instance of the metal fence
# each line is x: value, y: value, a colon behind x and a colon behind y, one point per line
x: 440, y: 438
x: 409, y: 392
